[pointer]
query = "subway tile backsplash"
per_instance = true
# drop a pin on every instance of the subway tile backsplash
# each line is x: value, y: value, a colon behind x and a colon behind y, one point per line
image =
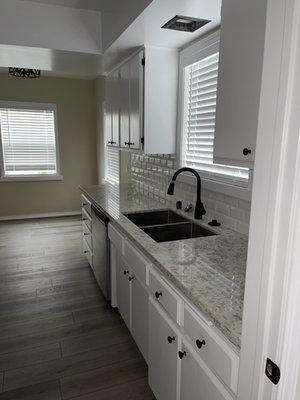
x: 151, y: 175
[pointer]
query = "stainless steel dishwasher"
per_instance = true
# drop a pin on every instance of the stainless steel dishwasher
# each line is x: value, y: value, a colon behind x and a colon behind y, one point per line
x: 101, y: 264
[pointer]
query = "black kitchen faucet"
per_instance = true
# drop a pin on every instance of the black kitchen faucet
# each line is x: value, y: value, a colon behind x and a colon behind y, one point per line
x: 199, y: 208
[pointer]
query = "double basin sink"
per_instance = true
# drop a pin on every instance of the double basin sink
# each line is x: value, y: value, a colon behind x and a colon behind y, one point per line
x: 166, y: 225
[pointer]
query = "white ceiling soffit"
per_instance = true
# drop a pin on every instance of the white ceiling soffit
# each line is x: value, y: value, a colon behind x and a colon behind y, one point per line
x: 25, y: 23
x: 146, y: 29
x: 51, y: 62
x: 108, y: 6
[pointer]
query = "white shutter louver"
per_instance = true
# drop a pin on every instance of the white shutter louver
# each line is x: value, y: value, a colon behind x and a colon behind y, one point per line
x: 28, y: 141
x: 112, y: 165
x: 200, y: 107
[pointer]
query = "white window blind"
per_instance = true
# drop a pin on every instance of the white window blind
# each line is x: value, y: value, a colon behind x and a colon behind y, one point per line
x: 112, y: 165
x: 28, y: 141
x: 199, y: 123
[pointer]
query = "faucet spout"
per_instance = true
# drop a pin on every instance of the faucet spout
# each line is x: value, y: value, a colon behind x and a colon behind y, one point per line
x: 199, y: 208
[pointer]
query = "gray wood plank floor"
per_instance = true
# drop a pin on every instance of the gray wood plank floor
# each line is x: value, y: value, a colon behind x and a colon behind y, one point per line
x: 58, y: 339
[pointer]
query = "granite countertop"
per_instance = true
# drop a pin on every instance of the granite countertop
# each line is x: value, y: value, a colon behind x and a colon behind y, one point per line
x: 209, y: 271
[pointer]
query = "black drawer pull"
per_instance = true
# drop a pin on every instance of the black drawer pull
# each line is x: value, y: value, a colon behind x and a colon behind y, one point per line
x: 86, y: 251
x: 131, y: 278
x: 126, y: 272
x: 158, y: 294
x: 200, y: 343
x: 171, y: 339
x: 128, y: 143
x: 181, y: 354
x: 85, y: 234
x: 246, y: 151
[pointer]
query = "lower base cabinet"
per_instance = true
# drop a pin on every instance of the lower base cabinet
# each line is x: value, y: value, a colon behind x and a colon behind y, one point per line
x: 123, y: 292
x: 139, y: 315
x: 176, y: 370
x: 163, y: 358
x: 196, y: 381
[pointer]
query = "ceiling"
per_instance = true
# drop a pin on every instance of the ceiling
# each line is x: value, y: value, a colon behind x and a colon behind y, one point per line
x: 107, y: 6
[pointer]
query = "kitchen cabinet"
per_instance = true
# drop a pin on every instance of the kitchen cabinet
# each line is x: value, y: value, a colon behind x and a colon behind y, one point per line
x: 239, y: 81
x: 163, y: 349
x: 123, y: 292
x: 87, y: 239
x: 196, y: 380
x: 168, y: 329
x: 142, y: 92
x: 114, y: 90
x: 124, y: 105
x: 139, y: 315
x: 136, y: 91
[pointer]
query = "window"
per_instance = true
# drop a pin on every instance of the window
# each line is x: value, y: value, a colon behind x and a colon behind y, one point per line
x: 28, y: 141
x: 112, y: 165
x: 200, y: 77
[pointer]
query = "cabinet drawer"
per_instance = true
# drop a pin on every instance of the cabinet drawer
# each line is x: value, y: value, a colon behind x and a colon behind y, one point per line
x: 87, y: 235
x: 86, y: 204
x: 116, y: 238
x: 136, y: 261
x: 87, y: 252
x: 87, y: 219
x: 211, y: 348
x: 165, y: 295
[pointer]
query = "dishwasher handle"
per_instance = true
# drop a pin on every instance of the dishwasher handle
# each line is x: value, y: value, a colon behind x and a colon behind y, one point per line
x: 100, y: 215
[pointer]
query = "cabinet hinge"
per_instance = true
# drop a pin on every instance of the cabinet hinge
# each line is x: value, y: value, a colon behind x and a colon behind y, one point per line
x: 272, y: 371
x: 143, y: 61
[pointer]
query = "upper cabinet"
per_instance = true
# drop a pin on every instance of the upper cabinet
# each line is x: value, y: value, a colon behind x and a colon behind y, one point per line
x: 240, y: 71
x: 142, y: 97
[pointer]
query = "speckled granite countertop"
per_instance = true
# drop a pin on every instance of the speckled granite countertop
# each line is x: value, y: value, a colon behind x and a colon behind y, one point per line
x: 209, y: 271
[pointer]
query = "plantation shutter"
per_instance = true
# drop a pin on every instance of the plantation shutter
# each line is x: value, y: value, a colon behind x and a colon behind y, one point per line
x: 200, y: 108
x: 28, y: 141
x: 112, y: 165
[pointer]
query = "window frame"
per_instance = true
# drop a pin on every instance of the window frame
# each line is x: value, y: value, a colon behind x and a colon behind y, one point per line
x: 31, y: 177
x: 203, y: 48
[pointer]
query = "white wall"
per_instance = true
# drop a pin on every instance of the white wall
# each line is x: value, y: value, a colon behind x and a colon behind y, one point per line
x: 26, y: 23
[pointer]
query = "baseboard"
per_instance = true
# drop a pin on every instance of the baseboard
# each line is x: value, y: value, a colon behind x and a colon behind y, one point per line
x: 43, y: 215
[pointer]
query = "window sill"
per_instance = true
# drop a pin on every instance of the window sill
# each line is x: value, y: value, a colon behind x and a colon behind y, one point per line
x: 240, y: 192
x: 31, y: 178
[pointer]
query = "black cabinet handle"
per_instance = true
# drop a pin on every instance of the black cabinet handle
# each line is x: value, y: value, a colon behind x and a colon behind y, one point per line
x: 84, y: 204
x: 125, y: 272
x: 246, y: 151
x: 111, y: 142
x: 181, y: 354
x: 158, y: 294
x: 128, y: 143
x: 85, y: 234
x: 171, y: 339
x: 131, y: 278
x: 200, y: 343
x: 86, y: 251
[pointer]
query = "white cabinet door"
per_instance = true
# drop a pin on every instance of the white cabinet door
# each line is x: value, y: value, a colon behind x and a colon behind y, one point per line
x: 123, y: 292
x: 124, y: 105
x: 162, y: 354
x: 239, y: 80
x: 139, y: 315
x: 136, y: 100
x: 108, y: 111
x: 197, y: 381
x: 115, y: 108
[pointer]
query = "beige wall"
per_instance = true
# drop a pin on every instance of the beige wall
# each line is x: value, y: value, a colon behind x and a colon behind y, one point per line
x: 75, y: 99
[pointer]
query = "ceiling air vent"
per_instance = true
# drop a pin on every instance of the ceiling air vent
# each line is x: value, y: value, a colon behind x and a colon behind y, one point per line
x: 185, y: 24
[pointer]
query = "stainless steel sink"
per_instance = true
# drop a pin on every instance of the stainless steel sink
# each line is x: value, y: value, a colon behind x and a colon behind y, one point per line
x: 166, y: 225
x: 150, y: 218
x: 171, y: 232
